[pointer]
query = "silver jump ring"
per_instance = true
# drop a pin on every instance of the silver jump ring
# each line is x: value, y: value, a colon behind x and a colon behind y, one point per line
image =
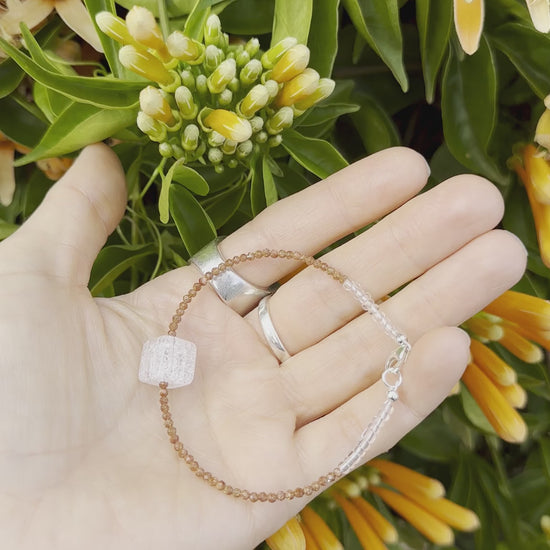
x: 240, y: 295
x: 271, y: 336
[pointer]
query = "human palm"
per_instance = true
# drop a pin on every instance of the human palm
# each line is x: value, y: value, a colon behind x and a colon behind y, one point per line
x: 84, y: 459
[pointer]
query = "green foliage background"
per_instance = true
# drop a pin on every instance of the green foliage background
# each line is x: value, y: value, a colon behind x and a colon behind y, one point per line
x: 402, y: 78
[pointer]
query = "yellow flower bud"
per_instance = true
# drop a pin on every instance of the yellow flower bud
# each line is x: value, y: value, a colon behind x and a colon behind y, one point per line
x: 213, y: 30
x: 242, y: 58
x: 114, y: 27
x: 252, y: 47
x: 145, y: 64
x: 143, y: 27
x: 273, y: 55
x: 323, y: 90
x: 491, y: 364
x: 469, y: 16
x: 514, y: 394
x: 229, y: 125
x: 298, y: 88
x: 153, y: 103
x: 292, y: 63
x: 223, y: 74
x: 184, y: 48
x: 150, y: 126
x: 257, y: 98
x: 323, y: 536
x: 186, y: 105
x: 383, y: 528
x: 7, y: 177
x: 539, y: 10
x: 538, y: 171
x: 190, y: 138
x: 229, y: 147
x: 281, y: 120
x: 251, y: 72
x: 545, y: 525
x: 226, y: 97
x: 213, y: 56
x: 520, y: 346
x: 215, y: 139
x: 272, y: 88
x: 244, y: 149
x: 542, y: 133
x: 215, y: 156
x: 547, y: 101
x: 289, y: 537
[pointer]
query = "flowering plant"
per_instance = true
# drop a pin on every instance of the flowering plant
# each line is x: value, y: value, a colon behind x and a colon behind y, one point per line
x: 218, y: 108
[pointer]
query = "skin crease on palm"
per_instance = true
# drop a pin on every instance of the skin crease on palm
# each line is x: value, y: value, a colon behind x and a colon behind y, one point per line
x: 84, y: 459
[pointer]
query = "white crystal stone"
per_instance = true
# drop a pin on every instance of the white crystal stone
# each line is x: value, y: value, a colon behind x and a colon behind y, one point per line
x: 168, y: 359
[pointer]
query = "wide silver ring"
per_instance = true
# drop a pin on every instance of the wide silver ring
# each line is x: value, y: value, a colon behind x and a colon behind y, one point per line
x: 271, y: 336
x: 238, y: 294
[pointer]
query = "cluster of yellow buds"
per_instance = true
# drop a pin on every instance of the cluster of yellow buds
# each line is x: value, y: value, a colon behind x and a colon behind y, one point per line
x: 542, y: 133
x: 521, y: 324
x: 212, y: 101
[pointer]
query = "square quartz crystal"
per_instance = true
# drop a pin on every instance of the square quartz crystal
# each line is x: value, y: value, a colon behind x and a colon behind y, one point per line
x: 168, y: 359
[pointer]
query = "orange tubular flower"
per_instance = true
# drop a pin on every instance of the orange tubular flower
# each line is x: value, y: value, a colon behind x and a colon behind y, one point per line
x: 491, y: 364
x: 314, y: 525
x: 520, y: 346
x: 431, y: 527
x: 383, y: 528
x: 289, y: 537
x: 503, y: 417
x: 407, y: 480
x: 311, y: 544
x: 469, y: 15
x: 365, y: 533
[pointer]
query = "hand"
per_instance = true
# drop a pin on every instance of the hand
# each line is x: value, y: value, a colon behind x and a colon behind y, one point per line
x: 84, y: 459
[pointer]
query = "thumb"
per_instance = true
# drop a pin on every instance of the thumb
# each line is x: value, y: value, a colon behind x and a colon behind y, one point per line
x: 66, y: 232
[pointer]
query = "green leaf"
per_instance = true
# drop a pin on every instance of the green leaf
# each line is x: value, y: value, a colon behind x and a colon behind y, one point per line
x: 257, y: 193
x: 20, y: 123
x: 78, y: 125
x: 378, y: 23
x: 248, y: 17
x: 323, y: 36
x: 197, y: 18
x: 270, y: 190
x: 528, y: 50
x: 518, y: 218
x: 103, y: 92
x: 113, y: 260
x: 51, y: 103
x: 223, y: 206
x: 325, y: 112
x: 434, y: 19
x: 191, y: 179
x: 290, y: 182
x: 10, y: 73
x: 6, y: 229
x: 474, y: 413
x: 194, y: 225
x: 292, y: 19
x: 374, y: 125
x: 110, y: 46
x: 316, y: 155
x: 469, y: 109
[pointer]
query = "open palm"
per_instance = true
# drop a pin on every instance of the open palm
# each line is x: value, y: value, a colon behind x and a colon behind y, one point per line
x: 84, y: 459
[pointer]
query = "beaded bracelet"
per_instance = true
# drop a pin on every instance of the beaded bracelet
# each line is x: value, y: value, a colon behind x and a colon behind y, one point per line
x: 169, y: 362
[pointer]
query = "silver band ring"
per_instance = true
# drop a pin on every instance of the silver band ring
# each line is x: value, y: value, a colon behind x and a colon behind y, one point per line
x: 271, y: 336
x: 238, y: 294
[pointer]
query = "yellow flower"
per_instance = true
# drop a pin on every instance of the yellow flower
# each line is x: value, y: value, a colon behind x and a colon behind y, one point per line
x: 315, y: 528
x: 299, y: 88
x: 33, y: 12
x: 542, y: 132
x: 406, y: 480
x: 365, y: 533
x: 229, y: 125
x: 491, y: 364
x: 503, y: 417
x: 431, y: 527
x: 540, y: 14
x: 145, y: 64
x: 291, y: 64
x: 382, y: 527
x: 7, y: 177
x: 468, y: 15
x: 289, y: 537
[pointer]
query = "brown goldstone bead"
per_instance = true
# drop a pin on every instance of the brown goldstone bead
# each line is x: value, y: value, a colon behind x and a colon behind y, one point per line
x: 213, y: 481
x: 299, y: 492
x: 289, y: 495
x: 215, y: 271
x: 192, y: 293
x: 207, y: 476
x: 166, y: 416
x: 165, y: 408
x: 243, y: 257
x: 181, y: 310
x: 245, y: 494
x: 168, y: 423
x: 262, y: 497
x: 308, y: 490
x: 208, y: 276
x: 189, y: 458
x: 177, y: 318
x: 281, y: 495
x: 200, y: 473
x: 272, y: 497
x: 197, y: 286
x: 174, y: 439
x: 323, y: 481
x: 194, y: 466
x: 258, y: 254
x: 253, y: 497
x: 183, y: 453
x: 315, y: 486
x: 171, y: 431
x: 228, y: 490
x: 331, y: 477
x: 173, y: 326
x: 237, y: 493
x: 178, y: 446
x: 186, y: 299
x: 220, y: 485
x: 203, y: 281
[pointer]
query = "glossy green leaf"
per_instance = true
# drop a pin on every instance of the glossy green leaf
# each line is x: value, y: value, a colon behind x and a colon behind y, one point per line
x: 197, y: 18
x: 257, y: 193
x: 290, y: 182
x: 40, y: 57
x: 248, y: 17
x: 194, y: 225
x: 223, y: 206
x: 270, y: 190
x: 528, y: 50
x: 474, y: 413
x: 110, y: 46
x: 469, y: 109
x: 190, y: 178
x: 51, y: 103
x: 323, y: 36
x: 6, y: 229
x: 378, y: 23
x: 112, y: 261
x: 434, y: 19
x: 19, y: 123
x: 78, y: 125
x: 374, y: 125
x: 104, y: 92
x: 316, y: 155
x: 10, y: 73
x: 292, y: 19
x: 35, y: 190
x: 518, y: 218
x: 323, y: 113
